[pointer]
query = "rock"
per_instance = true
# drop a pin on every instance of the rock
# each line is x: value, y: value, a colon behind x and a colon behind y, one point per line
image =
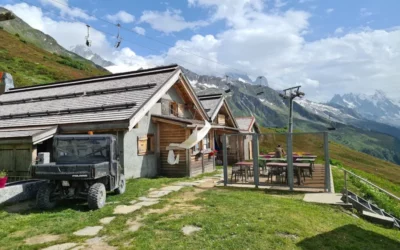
x: 188, y: 230
x: 172, y: 188
x: 124, y: 209
x: 88, y: 231
x: 40, y: 239
x: 107, y: 220
x: 98, y: 243
x: 64, y: 246
x: 133, y: 202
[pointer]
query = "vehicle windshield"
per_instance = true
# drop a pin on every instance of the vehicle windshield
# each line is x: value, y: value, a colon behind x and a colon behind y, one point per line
x: 82, y: 151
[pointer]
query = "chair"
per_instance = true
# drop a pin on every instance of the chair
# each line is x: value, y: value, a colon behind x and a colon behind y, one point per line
x: 237, y: 171
x: 275, y: 171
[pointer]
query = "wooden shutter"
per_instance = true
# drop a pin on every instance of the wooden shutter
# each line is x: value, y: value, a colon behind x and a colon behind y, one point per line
x: 142, y: 145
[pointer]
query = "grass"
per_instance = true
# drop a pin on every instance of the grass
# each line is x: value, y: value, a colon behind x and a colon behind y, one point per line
x: 30, y: 65
x: 68, y: 217
x: 229, y: 218
x: 246, y: 219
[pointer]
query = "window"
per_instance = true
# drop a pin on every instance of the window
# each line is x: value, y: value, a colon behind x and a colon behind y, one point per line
x: 221, y: 119
x: 206, y: 142
x: 181, y: 110
x: 146, y: 144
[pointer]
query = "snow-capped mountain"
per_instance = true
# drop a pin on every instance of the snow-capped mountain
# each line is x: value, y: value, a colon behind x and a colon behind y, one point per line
x: 376, y: 107
x: 85, y: 52
x: 335, y: 113
x: 262, y: 81
x: 239, y: 77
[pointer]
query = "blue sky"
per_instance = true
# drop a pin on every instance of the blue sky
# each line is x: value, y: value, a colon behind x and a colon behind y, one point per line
x: 327, y: 46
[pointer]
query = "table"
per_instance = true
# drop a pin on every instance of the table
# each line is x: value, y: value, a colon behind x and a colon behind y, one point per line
x: 299, y: 166
x: 273, y: 159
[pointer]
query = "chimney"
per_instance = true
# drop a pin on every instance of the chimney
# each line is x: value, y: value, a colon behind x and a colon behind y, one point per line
x: 6, y: 82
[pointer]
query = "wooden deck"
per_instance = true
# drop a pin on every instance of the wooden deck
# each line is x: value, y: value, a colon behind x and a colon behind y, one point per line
x: 317, y: 182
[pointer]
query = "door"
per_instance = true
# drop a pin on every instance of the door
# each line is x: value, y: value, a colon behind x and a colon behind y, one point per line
x: 16, y: 159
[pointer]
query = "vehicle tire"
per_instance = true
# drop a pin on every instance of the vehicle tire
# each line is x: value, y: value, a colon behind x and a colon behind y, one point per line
x: 97, y: 196
x: 122, y: 185
x: 44, y: 200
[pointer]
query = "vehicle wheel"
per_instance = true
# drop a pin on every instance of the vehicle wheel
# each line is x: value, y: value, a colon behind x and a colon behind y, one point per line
x: 44, y: 199
x: 122, y: 185
x: 97, y: 196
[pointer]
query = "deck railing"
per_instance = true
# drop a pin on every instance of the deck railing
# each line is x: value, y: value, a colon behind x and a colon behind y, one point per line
x: 366, y: 181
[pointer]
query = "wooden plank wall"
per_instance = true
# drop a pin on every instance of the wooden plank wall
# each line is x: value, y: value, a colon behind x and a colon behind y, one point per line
x: 170, y: 133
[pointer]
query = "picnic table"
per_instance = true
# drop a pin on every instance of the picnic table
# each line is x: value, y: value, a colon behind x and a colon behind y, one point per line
x: 297, y: 166
x: 273, y: 159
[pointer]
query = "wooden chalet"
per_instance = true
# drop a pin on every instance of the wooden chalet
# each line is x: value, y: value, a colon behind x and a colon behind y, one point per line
x: 146, y: 110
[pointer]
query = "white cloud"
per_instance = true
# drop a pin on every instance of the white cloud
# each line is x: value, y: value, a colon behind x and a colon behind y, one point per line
x: 121, y: 16
x: 279, y: 4
x: 305, y: 1
x: 330, y: 10
x: 339, y: 30
x: 127, y: 60
x: 139, y: 30
x: 169, y: 21
x: 365, y: 13
x: 67, y: 11
x: 274, y: 45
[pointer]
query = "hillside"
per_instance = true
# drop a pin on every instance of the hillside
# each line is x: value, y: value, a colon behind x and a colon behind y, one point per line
x: 31, y: 65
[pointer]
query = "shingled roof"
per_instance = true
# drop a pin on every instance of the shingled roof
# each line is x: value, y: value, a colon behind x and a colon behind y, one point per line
x: 107, y: 98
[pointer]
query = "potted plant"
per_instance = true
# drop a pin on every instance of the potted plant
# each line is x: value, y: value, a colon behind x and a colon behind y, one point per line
x: 3, y: 178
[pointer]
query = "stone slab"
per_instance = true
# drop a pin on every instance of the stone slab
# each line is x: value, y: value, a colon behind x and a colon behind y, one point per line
x: 148, y: 199
x: 158, y: 194
x: 186, y: 184
x: 188, y: 230
x: 107, y: 220
x: 324, y: 198
x: 64, y: 246
x: 89, y: 231
x: 19, y: 191
x: 172, y: 188
x: 147, y: 203
x: 124, y: 209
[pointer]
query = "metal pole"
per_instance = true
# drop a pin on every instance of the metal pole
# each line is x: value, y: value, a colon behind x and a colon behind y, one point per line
x: 290, y: 128
x: 345, y: 187
x: 225, y: 159
x: 327, y: 163
x: 256, y: 167
x: 289, y: 142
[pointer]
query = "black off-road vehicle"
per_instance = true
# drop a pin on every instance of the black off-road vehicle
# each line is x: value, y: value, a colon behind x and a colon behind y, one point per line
x: 85, y: 167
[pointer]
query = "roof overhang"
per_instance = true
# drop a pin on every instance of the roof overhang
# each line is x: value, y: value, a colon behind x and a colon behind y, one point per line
x: 32, y: 135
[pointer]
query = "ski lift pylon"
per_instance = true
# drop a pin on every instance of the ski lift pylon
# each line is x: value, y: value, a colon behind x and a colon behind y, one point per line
x: 88, y: 42
x: 119, y: 38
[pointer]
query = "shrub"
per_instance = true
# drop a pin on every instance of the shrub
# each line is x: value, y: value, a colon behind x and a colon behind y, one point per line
x: 3, y: 173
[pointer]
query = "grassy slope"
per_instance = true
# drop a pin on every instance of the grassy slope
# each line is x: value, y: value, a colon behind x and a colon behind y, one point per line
x: 31, y: 65
x: 229, y: 218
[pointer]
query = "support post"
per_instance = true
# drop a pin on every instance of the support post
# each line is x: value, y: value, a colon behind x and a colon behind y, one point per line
x: 290, y: 170
x: 345, y: 187
x: 225, y: 159
x: 256, y: 166
x: 327, y: 163
x: 290, y: 126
